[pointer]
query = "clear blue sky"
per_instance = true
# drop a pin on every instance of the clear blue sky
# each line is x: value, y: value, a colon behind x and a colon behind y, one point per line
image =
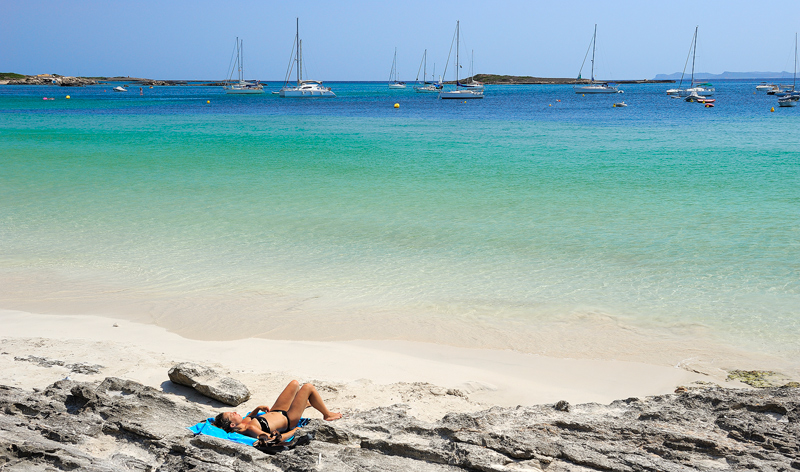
x: 356, y: 40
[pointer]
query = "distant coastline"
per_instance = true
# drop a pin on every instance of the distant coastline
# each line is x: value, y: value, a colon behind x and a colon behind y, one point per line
x: 729, y: 75
x: 10, y: 78
x: 495, y: 79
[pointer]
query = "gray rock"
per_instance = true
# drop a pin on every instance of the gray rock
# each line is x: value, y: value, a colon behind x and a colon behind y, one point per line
x: 709, y: 429
x: 208, y: 382
x: 78, y: 367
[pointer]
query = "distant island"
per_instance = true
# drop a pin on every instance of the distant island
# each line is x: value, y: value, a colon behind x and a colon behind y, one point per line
x: 11, y: 78
x: 527, y: 80
x: 728, y: 75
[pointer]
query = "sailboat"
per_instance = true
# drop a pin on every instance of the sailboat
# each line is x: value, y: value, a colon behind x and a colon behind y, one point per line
x: 592, y: 86
x: 703, y: 90
x: 791, y: 99
x: 472, y: 82
x: 393, y: 82
x: 425, y: 86
x: 242, y: 86
x: 460, y: 92
x: 304, y: 88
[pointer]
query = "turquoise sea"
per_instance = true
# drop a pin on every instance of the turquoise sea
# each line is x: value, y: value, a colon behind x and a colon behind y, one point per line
x: 535, y: 219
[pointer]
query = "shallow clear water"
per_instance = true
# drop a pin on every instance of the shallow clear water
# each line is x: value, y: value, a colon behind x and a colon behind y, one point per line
x: 531, y: 209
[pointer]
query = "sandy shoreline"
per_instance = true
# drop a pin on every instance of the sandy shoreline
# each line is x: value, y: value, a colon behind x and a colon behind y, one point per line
x: 354, y: 375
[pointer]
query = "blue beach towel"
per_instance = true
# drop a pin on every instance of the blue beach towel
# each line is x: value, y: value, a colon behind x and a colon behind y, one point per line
x: 207, y: 427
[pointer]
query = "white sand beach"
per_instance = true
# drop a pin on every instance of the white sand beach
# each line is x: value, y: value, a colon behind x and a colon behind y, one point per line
x: 430, y: 379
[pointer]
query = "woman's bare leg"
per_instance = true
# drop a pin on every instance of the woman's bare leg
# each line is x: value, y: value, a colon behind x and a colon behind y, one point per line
x: 285, y: 399
x: 309, y: 394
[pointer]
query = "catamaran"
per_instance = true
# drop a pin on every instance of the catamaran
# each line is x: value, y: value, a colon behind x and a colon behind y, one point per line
x: 703, y: 90
x: 304, y: 88
x: 460, y: 93
x: 425, y: 86
x: 393, y: 82
x: 592, y: 86
x: 791, y: 98
x: 242, y: 86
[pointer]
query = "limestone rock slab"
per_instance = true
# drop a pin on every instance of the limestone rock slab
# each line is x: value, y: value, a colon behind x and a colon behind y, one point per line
x: 210, y: 383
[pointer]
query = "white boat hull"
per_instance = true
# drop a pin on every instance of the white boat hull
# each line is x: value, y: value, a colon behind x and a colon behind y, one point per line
x: 595, y: 89
x: 294, y: 92
x: 397, y: 86
x: 702, y: 91
x: 427, y: 89
x: 461, y: 94
x: 306, y: 93
x: 244, y: 90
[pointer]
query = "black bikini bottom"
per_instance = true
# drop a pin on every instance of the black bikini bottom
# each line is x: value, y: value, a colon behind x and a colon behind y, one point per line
x: 265, y: 425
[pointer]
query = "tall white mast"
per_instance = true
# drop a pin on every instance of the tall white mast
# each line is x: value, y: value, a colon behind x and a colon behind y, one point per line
x: 458, y: 40
x: 299, y: 53
x: 694, y: 53
x: 594, y: 46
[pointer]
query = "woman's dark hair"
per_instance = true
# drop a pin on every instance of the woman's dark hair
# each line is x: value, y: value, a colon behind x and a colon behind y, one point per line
x: 222, y: 422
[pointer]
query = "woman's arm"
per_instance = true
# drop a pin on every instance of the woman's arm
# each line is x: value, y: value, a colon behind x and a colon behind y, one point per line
x: 274, y: 438
x: 258, y: 410
x: 252, y: 429
x: 288, y: 434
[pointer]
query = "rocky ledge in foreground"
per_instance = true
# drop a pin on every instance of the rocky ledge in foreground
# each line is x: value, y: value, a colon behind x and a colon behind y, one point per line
x: 122, y: 425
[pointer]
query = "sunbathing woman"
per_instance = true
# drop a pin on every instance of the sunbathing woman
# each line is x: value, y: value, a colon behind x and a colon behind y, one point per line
x: 280, y: 422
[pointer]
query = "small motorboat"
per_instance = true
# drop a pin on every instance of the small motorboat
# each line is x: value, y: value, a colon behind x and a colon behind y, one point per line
x: 706, y: 100
x: 788, y: 100
x: 774, y: 90
x: 619, y: 104
x: 765, y: 86
x: 693, y: 97
x: 120, y: 89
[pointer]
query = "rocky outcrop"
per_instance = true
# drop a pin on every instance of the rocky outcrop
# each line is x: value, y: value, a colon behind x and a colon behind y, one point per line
x: 77, y: 367
x: 208, y: 382
x: 66, y: 81
x: 154, y: 82
x: 121, y: 425
x: 63, y: 81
